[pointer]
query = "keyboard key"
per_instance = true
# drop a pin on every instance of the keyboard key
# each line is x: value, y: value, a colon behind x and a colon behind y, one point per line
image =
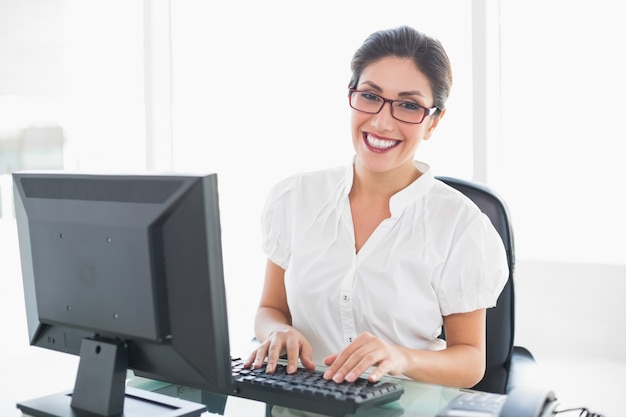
x: 308, y: 390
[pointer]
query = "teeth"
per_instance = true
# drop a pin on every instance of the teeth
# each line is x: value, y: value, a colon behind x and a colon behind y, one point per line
x: 380, y: 143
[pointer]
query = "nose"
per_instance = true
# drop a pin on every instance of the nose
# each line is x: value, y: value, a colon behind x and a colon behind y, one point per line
x: 383, y: 120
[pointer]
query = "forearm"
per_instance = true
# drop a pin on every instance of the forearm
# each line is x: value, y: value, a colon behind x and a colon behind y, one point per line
x: 268, y: 320
x: 461, y: 366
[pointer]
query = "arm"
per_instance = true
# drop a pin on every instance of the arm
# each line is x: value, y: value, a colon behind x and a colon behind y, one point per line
x: 461, y: 364
x: 273, y: 326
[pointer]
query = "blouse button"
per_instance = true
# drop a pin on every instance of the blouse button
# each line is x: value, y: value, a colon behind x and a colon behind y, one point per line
x: 346, y: 298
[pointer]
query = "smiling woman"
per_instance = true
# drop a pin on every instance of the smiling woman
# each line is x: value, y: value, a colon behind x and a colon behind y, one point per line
x: 342, y: 242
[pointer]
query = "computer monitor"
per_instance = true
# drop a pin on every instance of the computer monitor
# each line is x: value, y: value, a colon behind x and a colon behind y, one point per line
x: 125, y: 271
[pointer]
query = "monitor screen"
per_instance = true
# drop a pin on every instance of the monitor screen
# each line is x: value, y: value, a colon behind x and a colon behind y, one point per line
x: 125, y: 271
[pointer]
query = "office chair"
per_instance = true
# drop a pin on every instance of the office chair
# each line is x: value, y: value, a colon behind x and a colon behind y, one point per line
x: 508, y: 366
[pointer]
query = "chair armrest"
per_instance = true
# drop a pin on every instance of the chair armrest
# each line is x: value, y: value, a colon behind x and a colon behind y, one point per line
x: 523, y: 369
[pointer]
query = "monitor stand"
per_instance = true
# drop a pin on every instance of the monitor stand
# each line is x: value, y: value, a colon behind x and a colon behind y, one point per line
x: 100, y: 390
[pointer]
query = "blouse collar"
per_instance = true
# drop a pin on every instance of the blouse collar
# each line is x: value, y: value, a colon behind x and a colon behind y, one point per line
x: 414, y: 191
x: 405, y: 197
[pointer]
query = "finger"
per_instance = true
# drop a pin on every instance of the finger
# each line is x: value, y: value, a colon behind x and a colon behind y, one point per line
x: 251, y: 357
x: 337, y: 362
x: 337, y: 365
x: 306, y: 356
x: 257, y: 357
x: 273, y: 354
x: 379, y: 371
x: 258, y: 353
x: 329, y: 360
x: 358, y: 363
x: 293, y: 354
x: 340, y: 367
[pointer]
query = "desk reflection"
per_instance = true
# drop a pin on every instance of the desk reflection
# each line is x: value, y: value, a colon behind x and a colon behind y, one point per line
x: 419, y: 400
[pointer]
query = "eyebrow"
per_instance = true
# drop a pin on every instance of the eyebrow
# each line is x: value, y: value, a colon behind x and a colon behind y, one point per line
x: 401, y: 94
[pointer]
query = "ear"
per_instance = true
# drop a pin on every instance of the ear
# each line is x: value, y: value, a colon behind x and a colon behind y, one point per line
x: 434, y: 122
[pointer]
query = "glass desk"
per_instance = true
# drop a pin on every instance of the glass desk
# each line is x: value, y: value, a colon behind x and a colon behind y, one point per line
x: 419, y: 400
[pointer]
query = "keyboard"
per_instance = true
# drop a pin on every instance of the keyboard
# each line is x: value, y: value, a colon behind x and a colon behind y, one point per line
x: 307, y: 390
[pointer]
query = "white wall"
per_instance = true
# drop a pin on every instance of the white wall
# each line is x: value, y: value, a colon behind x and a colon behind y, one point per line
x: 571, y: 310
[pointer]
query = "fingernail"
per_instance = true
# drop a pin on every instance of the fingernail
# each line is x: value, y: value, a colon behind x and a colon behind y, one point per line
x: 350, y: 377
x: 291, y: 368
x: 338, y: 378
x: 327, y: 375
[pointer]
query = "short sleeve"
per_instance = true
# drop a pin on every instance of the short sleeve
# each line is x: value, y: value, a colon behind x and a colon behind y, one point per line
x: 475, y: 271
x: 276, y: 222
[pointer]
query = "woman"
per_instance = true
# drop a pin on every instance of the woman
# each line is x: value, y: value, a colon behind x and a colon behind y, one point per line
x: 367, y: 262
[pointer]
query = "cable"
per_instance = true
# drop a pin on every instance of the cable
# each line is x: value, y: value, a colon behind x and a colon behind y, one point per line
x: 584, y: 412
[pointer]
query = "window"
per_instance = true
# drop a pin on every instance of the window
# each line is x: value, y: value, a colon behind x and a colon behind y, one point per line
x: 71, y: 87
x: 563, y: 130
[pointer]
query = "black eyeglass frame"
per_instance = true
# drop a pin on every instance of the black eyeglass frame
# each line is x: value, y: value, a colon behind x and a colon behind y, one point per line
x: 427, y: 111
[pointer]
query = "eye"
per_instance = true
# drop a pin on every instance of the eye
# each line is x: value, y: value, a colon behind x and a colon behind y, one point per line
x: 410, y: 106
x: 370, y: 97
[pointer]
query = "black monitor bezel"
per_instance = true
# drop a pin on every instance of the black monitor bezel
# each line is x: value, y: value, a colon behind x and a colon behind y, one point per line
x: 157, y: 357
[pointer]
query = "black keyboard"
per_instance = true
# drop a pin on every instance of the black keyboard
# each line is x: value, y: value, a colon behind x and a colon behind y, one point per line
x: 308, y: 390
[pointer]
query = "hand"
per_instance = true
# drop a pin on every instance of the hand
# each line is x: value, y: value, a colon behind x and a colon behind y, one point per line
x: 365, y: 351
x: 289, y: 339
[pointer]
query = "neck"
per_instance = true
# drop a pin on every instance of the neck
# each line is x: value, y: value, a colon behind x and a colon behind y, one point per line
x: 383, y: 184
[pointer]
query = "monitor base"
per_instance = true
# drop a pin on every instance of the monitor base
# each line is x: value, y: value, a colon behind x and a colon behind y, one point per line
x: 137, y: 403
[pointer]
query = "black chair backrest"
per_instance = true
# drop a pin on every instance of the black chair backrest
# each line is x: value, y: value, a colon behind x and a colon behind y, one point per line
x: 501, y: 318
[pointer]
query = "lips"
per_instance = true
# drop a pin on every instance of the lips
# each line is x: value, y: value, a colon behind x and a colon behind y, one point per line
x: 378, y: 144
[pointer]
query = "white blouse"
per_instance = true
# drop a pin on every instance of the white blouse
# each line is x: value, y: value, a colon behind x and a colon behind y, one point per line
x: 437, y: 254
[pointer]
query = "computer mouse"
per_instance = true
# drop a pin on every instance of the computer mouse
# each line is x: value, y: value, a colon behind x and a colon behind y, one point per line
x: 529, y: 402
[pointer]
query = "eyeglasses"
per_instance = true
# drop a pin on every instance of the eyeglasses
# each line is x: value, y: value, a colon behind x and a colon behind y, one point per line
x: 403, y: 110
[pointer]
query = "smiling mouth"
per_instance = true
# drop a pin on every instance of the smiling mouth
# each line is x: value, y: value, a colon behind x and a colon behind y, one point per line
x: 377, y: 144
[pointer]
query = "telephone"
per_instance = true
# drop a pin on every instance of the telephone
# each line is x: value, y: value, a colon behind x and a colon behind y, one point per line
x: 529, y: 402
x: 519, y: 402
